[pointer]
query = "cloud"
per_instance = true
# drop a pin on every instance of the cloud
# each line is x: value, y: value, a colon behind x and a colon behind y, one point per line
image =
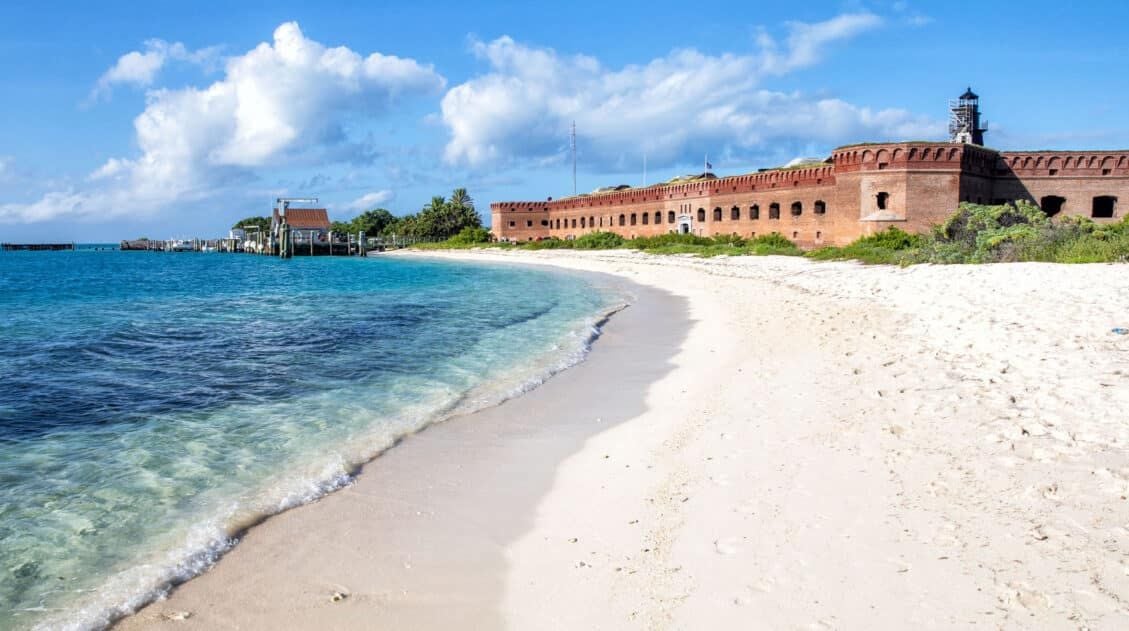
x: 140, y: 68
x: 368, y: 201
x: 684, y: 103
x: 275, y: 104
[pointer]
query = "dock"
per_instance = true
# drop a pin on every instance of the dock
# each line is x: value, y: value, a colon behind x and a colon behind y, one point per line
x: 36, y: 247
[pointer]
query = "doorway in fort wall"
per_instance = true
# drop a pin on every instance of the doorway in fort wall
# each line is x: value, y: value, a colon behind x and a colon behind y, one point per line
x: 685, y: 224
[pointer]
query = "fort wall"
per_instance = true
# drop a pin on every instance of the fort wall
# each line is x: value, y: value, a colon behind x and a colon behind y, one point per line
x: 859, y: 190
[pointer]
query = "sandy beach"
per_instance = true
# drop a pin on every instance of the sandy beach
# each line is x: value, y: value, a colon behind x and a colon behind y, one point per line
x: 754, y: 443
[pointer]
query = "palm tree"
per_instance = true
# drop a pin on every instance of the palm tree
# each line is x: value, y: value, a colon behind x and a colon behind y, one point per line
x: 461, y: 199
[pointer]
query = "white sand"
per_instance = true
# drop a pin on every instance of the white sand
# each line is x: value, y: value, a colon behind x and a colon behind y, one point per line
x: 835, y: 446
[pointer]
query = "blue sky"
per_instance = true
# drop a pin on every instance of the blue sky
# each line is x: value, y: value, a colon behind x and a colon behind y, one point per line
x: 175, y: 119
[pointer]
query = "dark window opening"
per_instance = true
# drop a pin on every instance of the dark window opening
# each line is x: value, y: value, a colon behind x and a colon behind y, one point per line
x: 558, y: 224
x: 670, y: 218
x: 1104, y: 206
x: 583, y: 223
x: 634, y: 218
x: 882, y: 166
x: 883, y: 199
x: 734, y: 213
x: 646, y: 218
x: 511, y: 224
x: 820, y: 207
x: 797, y: 209
x: 544, y: 222
x: 1106, y: 171
x: 795, y: 235
x: 658, y: 217
x: 818, y: 235
x: 774, y: 211
x: 574, y: 222
x: 717, y: 214
x: 1052, y: 204
x: 622, y: 220
x: 1053, y: 172
x: 702, y: 214
x: 755, y: 211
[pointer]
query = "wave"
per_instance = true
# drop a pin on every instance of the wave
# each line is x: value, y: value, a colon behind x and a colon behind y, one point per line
x: 208, y: 540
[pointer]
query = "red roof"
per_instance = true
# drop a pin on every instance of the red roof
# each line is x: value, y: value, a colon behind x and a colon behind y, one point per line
x: 307, y: 218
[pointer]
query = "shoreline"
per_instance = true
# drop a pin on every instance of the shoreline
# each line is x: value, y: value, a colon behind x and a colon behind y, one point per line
x: 823, y: 445
x: 396, y: 477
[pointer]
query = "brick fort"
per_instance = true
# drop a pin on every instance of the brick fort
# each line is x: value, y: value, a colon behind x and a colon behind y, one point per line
x: 860, y: 189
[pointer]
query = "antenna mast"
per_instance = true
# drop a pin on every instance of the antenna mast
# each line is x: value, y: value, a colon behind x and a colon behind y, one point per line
x: 572, y: 147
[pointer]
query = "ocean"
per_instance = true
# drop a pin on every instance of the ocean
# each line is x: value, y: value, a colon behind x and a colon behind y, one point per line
x: 153, y: 405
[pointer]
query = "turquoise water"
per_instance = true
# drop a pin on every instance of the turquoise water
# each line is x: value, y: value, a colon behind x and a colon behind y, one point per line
x: 153, y: 404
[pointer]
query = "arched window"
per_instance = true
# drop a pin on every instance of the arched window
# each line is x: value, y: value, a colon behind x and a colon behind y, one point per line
x: 670, y: 217
x: 558, y: 224
x: 717, y: 214
x: 1052, y: 204
x: 574, y: 222
x: 658, y: 217
x: 592, y: 222
x: 883, y: 200
x: 702, y: 215
x: 774, y: 210
x: 623, y: 220
x: 820, y: 207
x: 633, y: 218
x: 797, y: 209
x: 646, y: 218
x: 755, y: 211
x: 582, y: 223
x: 735, y: 213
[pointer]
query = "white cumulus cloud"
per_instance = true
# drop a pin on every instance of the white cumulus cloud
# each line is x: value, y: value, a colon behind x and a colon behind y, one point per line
x: 274, y: 103
x: 140, y: 68
x: 519, y: 111
x: 369, y: 201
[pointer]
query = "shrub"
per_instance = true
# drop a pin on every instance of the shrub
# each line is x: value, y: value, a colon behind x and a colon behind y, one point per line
x: 729, y: 239
x: 550, y: 243
x: 888, y: 246
x: 664, y: 240
x: 470, y: 236
x: 598, y: 241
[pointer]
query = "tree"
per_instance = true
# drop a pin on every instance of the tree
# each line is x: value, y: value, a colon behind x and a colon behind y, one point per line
x: 263, y: 223
x: 372, y: 222
x: 439, y: 219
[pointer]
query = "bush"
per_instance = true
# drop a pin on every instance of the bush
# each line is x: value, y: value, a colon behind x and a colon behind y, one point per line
x: 888, y: 246
x: 598, y: 241
x: 666, y: 240
x: 551, y: 243
x: 471, y: 236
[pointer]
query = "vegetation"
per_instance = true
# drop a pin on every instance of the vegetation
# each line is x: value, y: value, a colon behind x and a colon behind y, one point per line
x: 442, y: 218
x: 975, y: 233
x: 978, y: 233
x: 371, y: 222
x: 262, y: 223
x: 889, y: 246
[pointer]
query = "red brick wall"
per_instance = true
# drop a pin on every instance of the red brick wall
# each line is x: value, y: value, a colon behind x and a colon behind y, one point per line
x: 923, y: 182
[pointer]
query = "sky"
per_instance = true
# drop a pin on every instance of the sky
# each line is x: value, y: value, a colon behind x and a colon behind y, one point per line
x: 175, y: 119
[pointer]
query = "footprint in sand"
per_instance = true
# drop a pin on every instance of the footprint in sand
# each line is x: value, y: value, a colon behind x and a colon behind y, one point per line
x: 727, y: 546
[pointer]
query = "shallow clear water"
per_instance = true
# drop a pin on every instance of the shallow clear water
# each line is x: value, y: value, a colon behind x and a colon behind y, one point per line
x: 152, y: 404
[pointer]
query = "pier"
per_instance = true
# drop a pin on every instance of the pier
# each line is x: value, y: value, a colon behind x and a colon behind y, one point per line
x: 37, y: 247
